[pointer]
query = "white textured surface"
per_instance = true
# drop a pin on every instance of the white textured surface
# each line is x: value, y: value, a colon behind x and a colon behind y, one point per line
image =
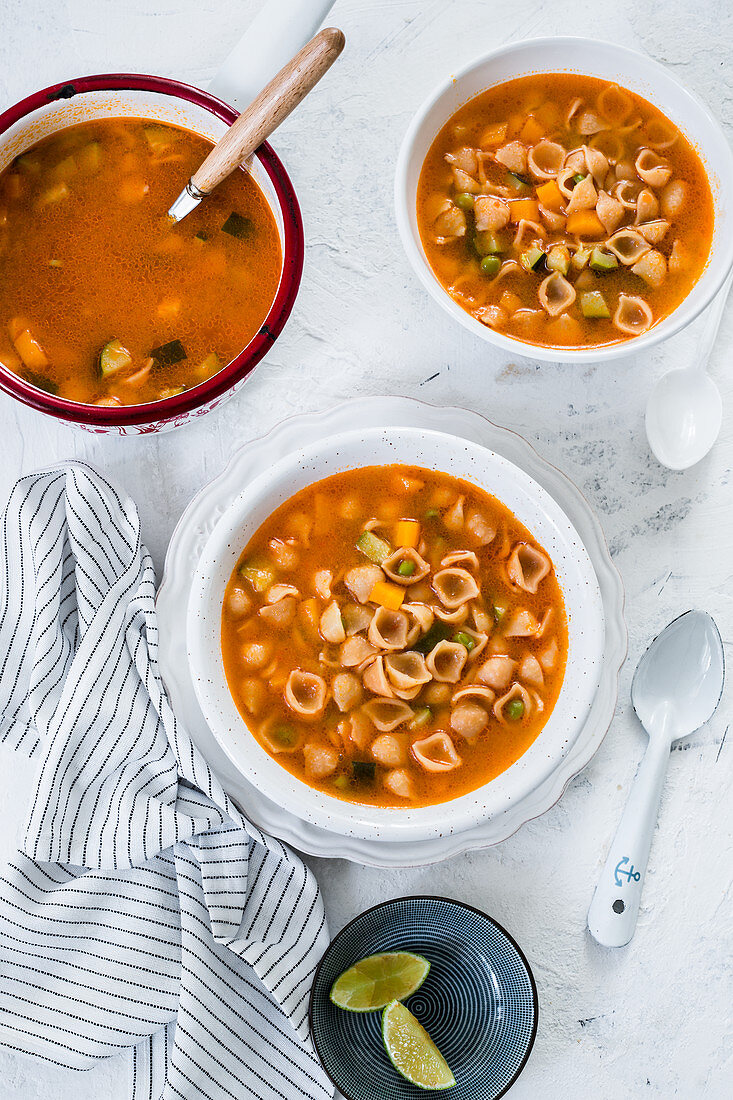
x: 653, y: 1020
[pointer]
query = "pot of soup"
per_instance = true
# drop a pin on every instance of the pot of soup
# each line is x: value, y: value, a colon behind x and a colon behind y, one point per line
x: 111, y: 317
x: 567, y: 209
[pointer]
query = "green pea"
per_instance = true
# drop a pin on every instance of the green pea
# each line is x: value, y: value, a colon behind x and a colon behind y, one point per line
x: 490, y: 265
x: 464, y: 200
x: 406, y: 568
x: 514, y: 709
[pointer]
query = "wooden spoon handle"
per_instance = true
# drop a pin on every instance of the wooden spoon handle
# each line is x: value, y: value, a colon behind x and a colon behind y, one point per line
x: 271, y: 107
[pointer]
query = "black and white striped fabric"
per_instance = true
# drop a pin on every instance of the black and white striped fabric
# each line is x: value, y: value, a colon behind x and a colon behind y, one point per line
x: 145, y: 917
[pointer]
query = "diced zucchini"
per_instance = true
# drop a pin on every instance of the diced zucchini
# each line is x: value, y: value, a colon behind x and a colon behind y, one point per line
x: 593, y: 304
x: 515, y: 181
x: 558, y: 259
x: 578, y: 178
x: 342, y: 782
x: 364, y: 771
x: 170, y: 391
x: 65, y: 169
x: 374, y: 548
x: 114, y: 357
x: 90, y: 157
x: 40, y: 381
x: 55, y: 263
x: 158, y: 138
x: 238, y: 226
x: 487, y: 243
x: 438, y: 632
x: 28, y: 164
x: 600, y: 260
x: 499, y: 611
x: 532, y: 258
x: 421, y: 718
x: 283, y: 734
x: 490, y: 265
x: 465, y: 640
x: 209, y: 366
x: 168, y: 354
x: 201, y: 236
x: 54, y: 194
x: 580, y: 258
x: 260, y: 574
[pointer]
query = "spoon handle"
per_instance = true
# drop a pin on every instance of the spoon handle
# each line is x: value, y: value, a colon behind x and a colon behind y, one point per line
x: 713, y: 317
x: 615, y: 905
x: 271, y: 107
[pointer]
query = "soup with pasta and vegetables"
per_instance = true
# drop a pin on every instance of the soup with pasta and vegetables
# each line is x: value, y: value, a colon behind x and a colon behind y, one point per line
x: 102, y: 299
x: 564, y: 211
x: 394, y: 636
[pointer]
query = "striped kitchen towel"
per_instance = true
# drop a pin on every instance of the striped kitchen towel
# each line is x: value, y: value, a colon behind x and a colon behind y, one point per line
x: 145, y: 917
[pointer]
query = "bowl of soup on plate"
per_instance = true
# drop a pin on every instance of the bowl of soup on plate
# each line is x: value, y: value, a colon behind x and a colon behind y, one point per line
x: 395, y: 633
x: 111, y: 316
x: 568, y: 212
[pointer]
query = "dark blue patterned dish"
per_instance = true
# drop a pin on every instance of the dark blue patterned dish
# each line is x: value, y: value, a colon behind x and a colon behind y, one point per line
x: 479, y: 1001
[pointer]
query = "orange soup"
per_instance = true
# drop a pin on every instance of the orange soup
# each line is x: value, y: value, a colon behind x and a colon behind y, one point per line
x: 564, y: 211
x: 102, y: 299
x: 394, y: 636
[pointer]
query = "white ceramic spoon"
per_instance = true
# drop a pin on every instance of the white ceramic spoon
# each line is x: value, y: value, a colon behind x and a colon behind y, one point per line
x: 676, y: 689
x: 684, y: 411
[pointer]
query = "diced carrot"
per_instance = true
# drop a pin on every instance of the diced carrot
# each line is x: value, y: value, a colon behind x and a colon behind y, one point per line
x: 514, y: 126
x: 524, y: 208
x: 585, y: 223
x: 493, y: 135
x: 309, y: 615
x: 169, y: 308
x: 387, y: 595
x: 550, y: 195
x: 532, y: 131
x: 30, y: 351
x: 407, y: 533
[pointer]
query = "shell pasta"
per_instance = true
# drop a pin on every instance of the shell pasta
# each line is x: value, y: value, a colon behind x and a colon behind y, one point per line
x: 564, y: 211
x: 394, y: 636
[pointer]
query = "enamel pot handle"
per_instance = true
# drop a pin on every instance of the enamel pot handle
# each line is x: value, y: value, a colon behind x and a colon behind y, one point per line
x: 274, y: 36
x: 615, y: 906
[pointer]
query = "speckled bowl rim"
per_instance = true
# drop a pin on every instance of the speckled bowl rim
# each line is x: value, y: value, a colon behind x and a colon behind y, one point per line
x: 534, y: 507
x: 443, y: 900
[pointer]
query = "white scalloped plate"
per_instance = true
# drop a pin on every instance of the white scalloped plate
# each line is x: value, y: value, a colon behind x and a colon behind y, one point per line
x: 187, y: 544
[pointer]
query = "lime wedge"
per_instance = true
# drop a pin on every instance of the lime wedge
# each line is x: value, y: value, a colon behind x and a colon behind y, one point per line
x: 379, y: 979
x: 411, y: 1050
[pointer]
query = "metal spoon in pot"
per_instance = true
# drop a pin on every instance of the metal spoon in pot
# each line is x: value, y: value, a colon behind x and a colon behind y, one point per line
x: 684, y: 411
x: 265, y: 113
x: 676, y: 689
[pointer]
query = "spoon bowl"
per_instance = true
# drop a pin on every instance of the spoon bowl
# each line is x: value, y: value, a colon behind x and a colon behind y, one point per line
x: 676, y: 689
x: 683, y: 418
x: 684, y: 411
x: 679, y: 680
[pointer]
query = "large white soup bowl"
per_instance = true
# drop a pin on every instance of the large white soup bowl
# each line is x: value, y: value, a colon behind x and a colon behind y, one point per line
x: 437, y: 451
x: 590, y: 58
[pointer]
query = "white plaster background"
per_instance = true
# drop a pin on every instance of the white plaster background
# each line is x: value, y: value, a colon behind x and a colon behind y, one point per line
x: 653, y: 1020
